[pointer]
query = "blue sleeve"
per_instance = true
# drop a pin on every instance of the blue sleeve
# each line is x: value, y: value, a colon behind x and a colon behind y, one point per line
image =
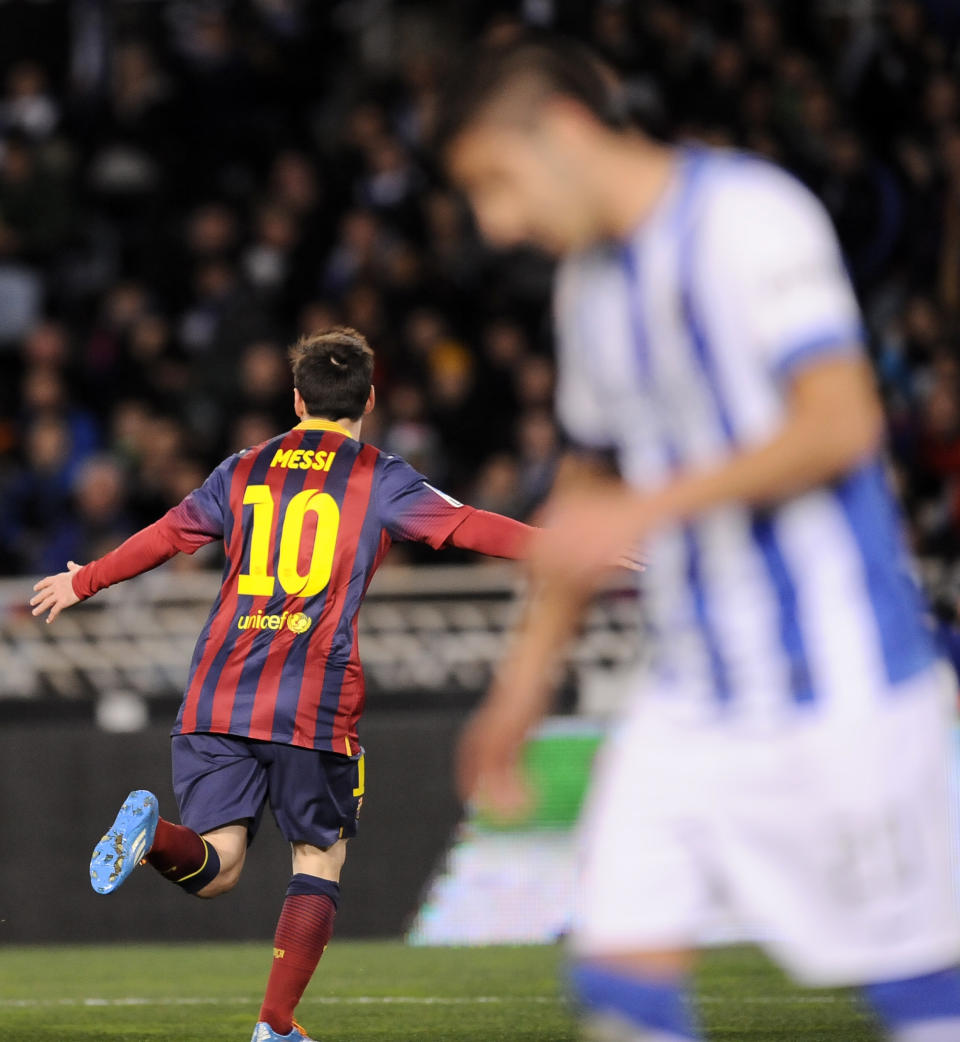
x: 411, y: 509
x: 200, y: 517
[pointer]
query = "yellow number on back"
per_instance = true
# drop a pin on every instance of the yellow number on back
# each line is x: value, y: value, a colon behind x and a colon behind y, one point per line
x: 258, y: 582
x: 324, y: 506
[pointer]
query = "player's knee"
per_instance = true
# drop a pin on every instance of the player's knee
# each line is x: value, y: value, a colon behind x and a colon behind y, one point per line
x: 225, y: 881
x: 230, y: 847
x: 317, y: 861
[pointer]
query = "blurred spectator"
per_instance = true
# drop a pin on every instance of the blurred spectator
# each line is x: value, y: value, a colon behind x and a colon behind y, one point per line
x: 46, y: 345
x: 356, y: 253
x: 865, y: 203
x: 37, y: 498
x: 133, y: 136
x: 534, y: 378
x: 27, y: 105
x: 263, y: 385
x: 391, y: 182
x: 268, y: 261
x: 99, y: 520
x: 249, y: 429
x: 130, y: 431
x: 34, y: 208
x: 58, y: 519
x: 496, y: 486
x: 538, y: 447
x: 44, y: 394
x: 407, y: 431
x: 212, y: 232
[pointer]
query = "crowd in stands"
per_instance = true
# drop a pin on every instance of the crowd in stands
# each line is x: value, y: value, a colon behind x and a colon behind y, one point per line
x: 187, y: 187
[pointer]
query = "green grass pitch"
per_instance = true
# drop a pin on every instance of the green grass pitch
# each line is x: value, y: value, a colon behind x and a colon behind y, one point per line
x: 371, y: 990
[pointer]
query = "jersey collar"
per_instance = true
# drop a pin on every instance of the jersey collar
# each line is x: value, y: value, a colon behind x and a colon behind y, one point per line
x: 322, y: 425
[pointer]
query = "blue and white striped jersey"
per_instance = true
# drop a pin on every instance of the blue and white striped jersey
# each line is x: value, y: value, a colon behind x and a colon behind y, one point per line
x: 676, y: 350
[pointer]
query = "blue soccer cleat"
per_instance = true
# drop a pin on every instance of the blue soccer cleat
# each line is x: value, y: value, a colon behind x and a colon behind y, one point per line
x: 126, y: 843
x: 264, y: 1033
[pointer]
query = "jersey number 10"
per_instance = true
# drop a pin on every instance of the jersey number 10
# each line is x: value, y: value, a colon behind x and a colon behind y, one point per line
x: 258, y: 582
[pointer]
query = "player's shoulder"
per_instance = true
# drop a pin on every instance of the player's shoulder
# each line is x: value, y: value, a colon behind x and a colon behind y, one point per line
x: 387, y: 464
x: 393, y: 477
x: 754, y: 211
x: 727, y: 173
x: 751, y: 193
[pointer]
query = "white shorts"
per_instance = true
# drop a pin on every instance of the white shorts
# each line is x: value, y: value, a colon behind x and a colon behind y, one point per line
x: 835, y: 845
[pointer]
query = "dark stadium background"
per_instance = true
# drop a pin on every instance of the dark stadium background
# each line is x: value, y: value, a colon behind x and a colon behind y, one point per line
x: 187, y: 186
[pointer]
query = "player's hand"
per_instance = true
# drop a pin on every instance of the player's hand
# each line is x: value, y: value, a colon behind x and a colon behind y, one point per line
x: 54, y: 593
x: 634, y: 561
x: 589, y: 534
x: 488, y: 769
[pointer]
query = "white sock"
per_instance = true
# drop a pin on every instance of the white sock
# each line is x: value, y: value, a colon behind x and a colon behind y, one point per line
x: 609, y: 1028
x: 943, y: 1029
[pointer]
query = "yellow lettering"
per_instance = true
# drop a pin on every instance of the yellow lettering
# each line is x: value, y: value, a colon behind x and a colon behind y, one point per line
x: 297, y: 622
x: 278, y: 953
x: 307, y: 459
x: 330, y: 459
x: 281, y: 458
x: 319, y: 459
x: 295, y: 459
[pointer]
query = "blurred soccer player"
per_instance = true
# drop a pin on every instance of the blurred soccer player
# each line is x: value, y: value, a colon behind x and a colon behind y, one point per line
x: 790, y: 743
x: 276, y: 690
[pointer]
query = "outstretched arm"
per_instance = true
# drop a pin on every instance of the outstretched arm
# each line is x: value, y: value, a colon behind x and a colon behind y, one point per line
x: 491, y: 534
x: 413, y: 510
x: 144, y: 550
x: 186, y: 527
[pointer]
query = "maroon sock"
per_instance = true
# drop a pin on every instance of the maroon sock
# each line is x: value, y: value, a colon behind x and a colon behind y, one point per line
x: 303, y: 932
x: 183, y: 857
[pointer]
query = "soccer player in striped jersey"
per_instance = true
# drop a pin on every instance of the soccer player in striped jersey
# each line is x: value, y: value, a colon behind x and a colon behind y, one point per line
x: 275, y: 688
x: 789, y: 745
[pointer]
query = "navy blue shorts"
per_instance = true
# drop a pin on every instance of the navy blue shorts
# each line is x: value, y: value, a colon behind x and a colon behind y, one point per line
x: 220, y: 779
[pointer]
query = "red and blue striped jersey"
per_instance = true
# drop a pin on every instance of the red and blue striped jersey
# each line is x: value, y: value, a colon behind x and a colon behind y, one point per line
x: 306, y: 519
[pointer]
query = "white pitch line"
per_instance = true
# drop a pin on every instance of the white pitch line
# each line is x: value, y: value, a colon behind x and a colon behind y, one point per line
x: 393, y: 1000
x: 326, y: 1000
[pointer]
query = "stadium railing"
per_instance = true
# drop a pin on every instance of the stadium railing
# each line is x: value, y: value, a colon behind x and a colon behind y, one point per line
x: 427, y: 630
